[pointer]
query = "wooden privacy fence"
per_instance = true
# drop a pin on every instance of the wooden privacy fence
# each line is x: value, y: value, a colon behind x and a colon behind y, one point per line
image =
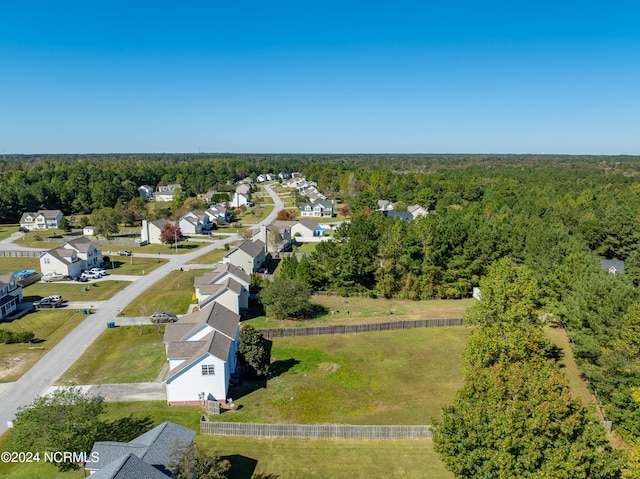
x: 361, y: 328
x: 314, y: 431
x: 22, y: 254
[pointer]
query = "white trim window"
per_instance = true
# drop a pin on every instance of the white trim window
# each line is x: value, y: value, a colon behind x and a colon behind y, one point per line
x: 208, y: 369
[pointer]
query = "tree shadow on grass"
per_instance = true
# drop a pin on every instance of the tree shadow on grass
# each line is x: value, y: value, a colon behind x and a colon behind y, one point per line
x: 248, y: 385
x: 243, y: 467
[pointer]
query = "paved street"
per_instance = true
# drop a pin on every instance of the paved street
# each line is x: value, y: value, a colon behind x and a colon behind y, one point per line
x: 44, y: 373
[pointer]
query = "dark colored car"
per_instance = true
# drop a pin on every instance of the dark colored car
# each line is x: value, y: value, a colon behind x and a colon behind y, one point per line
x: 80, y: 279
x: 163, y: 318
x: 47, y: 303
x: 22, y: 229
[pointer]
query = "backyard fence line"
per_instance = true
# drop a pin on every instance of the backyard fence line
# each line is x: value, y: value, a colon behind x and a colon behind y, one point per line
x: 361, y: 328
x: 22, y: 254
x: 314, y: 431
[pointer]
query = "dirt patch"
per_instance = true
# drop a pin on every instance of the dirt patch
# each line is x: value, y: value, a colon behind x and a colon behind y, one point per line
x: 12, y: 365
x: 328, y: 368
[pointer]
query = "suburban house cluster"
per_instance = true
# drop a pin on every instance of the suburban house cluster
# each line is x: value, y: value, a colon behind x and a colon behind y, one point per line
x: 202, y: 346
x: 280, y: 235
x: 71, y: 258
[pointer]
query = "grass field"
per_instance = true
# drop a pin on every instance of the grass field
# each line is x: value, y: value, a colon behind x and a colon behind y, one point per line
x: 8, y: 230
x: 50, y: 326
x: 569, y: 367
x: 30, y: 239
x: 399, y: 377
x: 133, y: 265
x: 11, y: 264
x: 120, y: 355
x: 306, y: 248
x: 337, y: 459
x: 371, y: 310
x: 211, y: 257
x: 183, y: 247
x: 72, y: 291
x: 173, y: 293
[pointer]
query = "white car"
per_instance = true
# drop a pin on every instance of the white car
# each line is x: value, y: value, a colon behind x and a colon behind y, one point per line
x: 90, y: 275
x: 98, y: 271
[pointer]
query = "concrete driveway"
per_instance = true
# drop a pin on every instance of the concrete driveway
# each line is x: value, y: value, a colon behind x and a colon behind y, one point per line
x: 125, y: 392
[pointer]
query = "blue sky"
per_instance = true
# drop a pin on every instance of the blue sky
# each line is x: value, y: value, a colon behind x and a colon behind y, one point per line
x: 320, y: 77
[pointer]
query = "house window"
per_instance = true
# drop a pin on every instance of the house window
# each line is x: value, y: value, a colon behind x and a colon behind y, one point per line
x: 208, y: 369
x: 47, y: 261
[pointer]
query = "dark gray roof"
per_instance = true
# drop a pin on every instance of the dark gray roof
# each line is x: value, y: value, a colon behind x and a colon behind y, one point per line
x: 214, y: 343
x: 402, y: 215
x: 178, y: 330
x: 309, y: 223
x: 81, y: 244
x: 612, y: 265
x: 129, y: 466
x: 252, y: 248
x: 153, y: 447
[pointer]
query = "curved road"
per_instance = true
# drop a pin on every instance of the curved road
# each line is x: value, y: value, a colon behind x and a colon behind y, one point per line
x: 53, y: 364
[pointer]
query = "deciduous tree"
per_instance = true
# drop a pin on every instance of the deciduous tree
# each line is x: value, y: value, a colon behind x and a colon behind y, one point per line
x: 285, y: 298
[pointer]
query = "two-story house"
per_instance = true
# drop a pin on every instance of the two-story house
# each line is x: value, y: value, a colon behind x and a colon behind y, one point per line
x: 318, y: 209
x: 248, y: 255
x: 41, y: 220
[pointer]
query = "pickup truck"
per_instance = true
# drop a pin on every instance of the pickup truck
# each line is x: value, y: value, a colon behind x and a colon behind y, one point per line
x: 49, y: 302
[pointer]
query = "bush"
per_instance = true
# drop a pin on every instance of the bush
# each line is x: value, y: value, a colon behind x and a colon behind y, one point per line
x: 9, y: 337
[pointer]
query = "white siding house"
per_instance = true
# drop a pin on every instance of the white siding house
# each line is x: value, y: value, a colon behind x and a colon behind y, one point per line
x: 249, y: 255
x: 41, y: 220
x: 202, y: 351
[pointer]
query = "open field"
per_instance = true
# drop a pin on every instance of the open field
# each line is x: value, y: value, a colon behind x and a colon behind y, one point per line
x: 306, y: 248
x: 173, y: 293
x: 211, y: 257
x: 369, y: 310
x: 318, y: 458
x: 183, y: 247
x: 11, y: 264
x: 120, y: 355
x: 50, y: 326
x: 399, y: 377
x: 72, y: 291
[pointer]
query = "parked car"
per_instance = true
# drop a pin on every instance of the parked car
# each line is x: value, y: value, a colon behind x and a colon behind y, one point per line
x: 81, y: 279
x: 22, y: 229
x: 47, y: 303
x: 124, y: 252
x: 98, y: 271
x: 89, y: 275
x: 163, y: 318
x: 56, y: 297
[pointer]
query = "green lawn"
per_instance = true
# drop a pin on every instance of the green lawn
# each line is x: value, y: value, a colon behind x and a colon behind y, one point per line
x: 183, y: 247
x: 173, y: 293
x: 211, y: 257
x: 120, y: 355
x: 133, y: 265
x: 11, y: 264
x: 50, y: 326
x: 319, y: 458
x: 306, y: 248
x: 8, y: 230
x: 359, y: 310
x: 72, y: 291
x: 396, y: 377
x: 30, y: 239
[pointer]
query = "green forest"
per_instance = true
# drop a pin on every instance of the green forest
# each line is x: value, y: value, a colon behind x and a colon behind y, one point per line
x: 556, y: 216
